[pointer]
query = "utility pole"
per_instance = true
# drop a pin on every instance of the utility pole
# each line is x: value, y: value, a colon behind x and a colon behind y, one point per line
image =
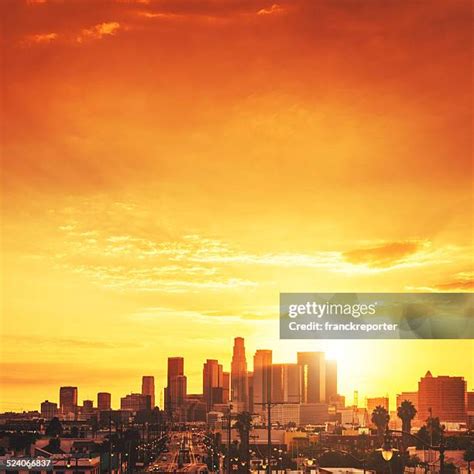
x: 269, y: 435
x: 442, y: 449
x: 229, y: 434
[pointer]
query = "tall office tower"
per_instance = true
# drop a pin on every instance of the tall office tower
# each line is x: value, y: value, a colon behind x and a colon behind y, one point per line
x: 470, y: 409
x: 177, y: 391
x: 212, y: 383
x: 470, y: 401
x: 313, y: 386
x: 174, y: 387
x: 68, y: 400
x: 225, y: 387
x: 331, y: 380
x: 239, y: 380
x: 444, y: 396
x: 104, y: 401
x: 250, y: 406
x: 262, y: 379
x: 148, y: 388
x: 49, y: 410
x: 286, y: 383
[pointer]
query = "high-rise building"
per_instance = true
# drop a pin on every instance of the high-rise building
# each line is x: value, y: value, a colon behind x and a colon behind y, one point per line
x: 285, y: 413
x: 279, y: 382
x: 104, y: 401
x: 470, y: 401
x: 338, y: 402
x: 374, y: 402
x: 49, y: 410
x: 68, y: 400
x: 410, y: 396
x: 239, y: 376
x: 212, y: 383
x: 225, y: 387
x: 443, y: 397
x: 262, y: 379
x: 135, y: 402
x: 175, y: 367
x: 148, y: 388
x: 313, y: 385
x: 314, y: 413
x: 470, y: 409
x: 175, y: 391
x: 286, y: 383
x: 331, y: 380
x: 250, y: 406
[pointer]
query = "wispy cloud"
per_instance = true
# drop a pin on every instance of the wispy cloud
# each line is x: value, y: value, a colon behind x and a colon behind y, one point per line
x: 459, y: 282
x: 272, y: 10
x: 384, y: 255
x: 195, y: 263
x: 248, y: 314
x: 97, y: 32
x: 41, y: 38
x: 462, y: 281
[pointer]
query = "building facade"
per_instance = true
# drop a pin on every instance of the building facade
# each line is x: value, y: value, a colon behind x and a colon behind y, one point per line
x: 443, y: 397
x: 313, y: 385
x: 104, y: 401
x: 148, y: 388
x: 239, y: 376
x: 68, y: 400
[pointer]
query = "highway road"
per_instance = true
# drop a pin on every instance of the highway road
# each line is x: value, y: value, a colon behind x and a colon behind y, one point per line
x: 186, y: 453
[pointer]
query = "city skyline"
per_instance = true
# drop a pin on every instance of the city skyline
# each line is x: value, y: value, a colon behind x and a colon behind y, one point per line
x: 176, y: 367
x: 169, y: 168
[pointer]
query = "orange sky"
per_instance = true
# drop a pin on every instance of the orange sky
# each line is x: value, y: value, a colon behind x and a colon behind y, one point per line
x: 170, y: 166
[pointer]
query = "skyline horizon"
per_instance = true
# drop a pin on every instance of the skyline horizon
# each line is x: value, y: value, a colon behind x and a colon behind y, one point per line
x: 160, y: 387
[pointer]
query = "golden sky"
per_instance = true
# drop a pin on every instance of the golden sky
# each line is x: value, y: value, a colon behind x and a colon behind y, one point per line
x: 170, y: 166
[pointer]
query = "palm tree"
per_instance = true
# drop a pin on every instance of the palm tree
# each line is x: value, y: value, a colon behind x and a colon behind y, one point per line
x: 469, y: 456
x: 243, y: 426
x: 54, y: 428
x: 406, y: 412
x: 380, y: 419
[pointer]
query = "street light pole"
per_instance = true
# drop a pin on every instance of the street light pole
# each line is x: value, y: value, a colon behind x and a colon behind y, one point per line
x: 441, y: 448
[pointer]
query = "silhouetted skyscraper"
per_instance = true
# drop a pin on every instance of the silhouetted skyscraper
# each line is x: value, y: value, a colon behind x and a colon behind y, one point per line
x: 104, y: 401
x: 148, y: 388
x: 135, y: 402
x: 239, y: 381
x: 49, y: 410
x: 212, y: 381
x: 262, y: 378
x: 68, y: 400
x: 331, y: 380
x: 175, y: 392
x: 225, y: 387
x: 286, y: 383
x: 445, y: 396
x: 313, y: 377
x: 250, y: 406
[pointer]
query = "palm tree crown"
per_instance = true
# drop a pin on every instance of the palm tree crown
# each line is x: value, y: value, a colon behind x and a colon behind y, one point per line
x: 380, y: 418
x: 406, y: 412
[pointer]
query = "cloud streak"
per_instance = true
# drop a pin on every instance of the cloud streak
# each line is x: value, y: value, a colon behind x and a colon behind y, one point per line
x: 195, y: 263
x: 99, y: 31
